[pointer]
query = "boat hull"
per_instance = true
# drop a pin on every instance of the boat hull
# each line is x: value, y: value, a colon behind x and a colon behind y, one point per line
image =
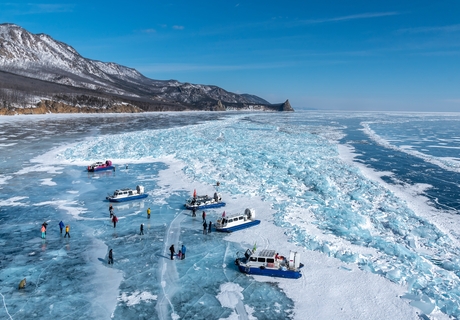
x: 101, y: 169
x: 139, y: 196
x: 205, y: 206
x: 239, y: 227
x: 261, y: 271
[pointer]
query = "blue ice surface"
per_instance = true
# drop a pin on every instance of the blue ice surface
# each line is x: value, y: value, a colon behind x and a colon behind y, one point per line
x: 67, y: 277
x: 290, y: 160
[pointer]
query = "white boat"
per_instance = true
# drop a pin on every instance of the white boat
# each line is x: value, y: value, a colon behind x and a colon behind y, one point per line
x: 268, y: 263
x: 121, y: 195
x: 237, y: 222
x: 204, y: 202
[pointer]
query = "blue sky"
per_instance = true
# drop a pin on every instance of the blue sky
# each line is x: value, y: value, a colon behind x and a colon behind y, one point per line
x: 341, y: 55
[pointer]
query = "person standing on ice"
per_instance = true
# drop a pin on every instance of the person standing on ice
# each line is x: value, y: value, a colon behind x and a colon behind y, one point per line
x: 142, y: 229
x: 61, y: 225
x: 114, y: 220
x: 111, y: 211
x: 209, y: 228
x: 205, y: 227
x: 194, y: 212
x: 43, y: 230
x: 67, y: 229
x: 148, y: 213
x: 110, y: 257
x: 22, y: 284
x: 183, y: 249
x: 171, y: 249
x: 45, y: 225
x: 203, y: 215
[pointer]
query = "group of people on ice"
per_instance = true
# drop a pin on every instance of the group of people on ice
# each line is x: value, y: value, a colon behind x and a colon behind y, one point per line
x: 180, y: 254
x: 61, y: 226
x: 207, y: 227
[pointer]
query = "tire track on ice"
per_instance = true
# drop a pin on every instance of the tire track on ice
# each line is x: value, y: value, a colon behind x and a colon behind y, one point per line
x: 168, y: 275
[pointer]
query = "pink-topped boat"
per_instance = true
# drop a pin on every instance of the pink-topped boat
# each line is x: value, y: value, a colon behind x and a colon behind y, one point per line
x: 99, y: 166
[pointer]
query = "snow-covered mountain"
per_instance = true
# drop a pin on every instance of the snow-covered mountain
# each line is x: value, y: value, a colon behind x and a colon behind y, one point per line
x: 61, y: 75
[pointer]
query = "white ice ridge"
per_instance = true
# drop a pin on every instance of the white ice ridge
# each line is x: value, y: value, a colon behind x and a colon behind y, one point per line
x: 449, y: 164
x: 312, y: 190
x: 168, y: 275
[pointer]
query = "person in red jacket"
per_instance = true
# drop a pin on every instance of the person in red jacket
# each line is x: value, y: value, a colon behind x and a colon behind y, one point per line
x: 114, y: 220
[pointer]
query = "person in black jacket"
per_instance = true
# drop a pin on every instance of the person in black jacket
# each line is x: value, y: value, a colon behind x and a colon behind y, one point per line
x: 110, y: 257
x: 205, y: 227
x: 171, y: 248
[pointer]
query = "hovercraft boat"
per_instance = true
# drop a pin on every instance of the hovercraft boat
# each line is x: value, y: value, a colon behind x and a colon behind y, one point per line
x: 100, y: 166
x: 127, y: 194
x: 268, y: 263
x: 237, y: 222
x: 204, y: 202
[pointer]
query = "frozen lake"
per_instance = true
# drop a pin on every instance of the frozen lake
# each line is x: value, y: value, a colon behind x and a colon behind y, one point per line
x: 368, y: 199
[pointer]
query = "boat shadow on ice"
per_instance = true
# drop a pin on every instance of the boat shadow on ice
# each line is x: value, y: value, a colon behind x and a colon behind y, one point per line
x: 100, y: 174
x: 127, y: 205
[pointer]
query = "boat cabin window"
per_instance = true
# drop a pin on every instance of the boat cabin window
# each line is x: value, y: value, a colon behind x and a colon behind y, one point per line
x: 130, y: 193
x: 261, y: 260
x: 240, y: 218
x: 270, y: 260
x: 230, y: 220
x: 253, y: 259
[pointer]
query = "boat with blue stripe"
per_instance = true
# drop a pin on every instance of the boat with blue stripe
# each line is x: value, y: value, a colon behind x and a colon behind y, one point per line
x: 269, y: 263
x: 237, y: 222
x: 121, y: 195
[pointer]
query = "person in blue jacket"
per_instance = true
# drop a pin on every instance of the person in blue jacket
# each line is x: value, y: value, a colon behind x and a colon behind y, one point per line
x: 61, y: 225
x: 183, y: 252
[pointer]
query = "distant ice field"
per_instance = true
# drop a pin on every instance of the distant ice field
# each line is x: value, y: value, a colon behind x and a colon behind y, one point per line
x: 378, y: 192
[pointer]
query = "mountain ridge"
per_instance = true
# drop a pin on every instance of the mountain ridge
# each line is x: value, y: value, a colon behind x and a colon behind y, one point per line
x: 62, y: 76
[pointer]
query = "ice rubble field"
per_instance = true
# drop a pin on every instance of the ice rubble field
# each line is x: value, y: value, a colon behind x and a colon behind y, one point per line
x: 302, y: 175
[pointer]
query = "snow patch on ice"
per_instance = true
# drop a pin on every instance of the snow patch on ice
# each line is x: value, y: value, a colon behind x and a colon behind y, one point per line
x: 69, y: 206
x: 137, y: 297
x: 13, y: 202
x: 48, y: 182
